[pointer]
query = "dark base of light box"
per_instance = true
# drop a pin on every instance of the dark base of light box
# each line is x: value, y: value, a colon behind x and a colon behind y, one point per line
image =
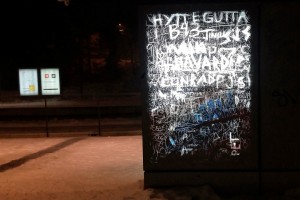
x: 227, y: 183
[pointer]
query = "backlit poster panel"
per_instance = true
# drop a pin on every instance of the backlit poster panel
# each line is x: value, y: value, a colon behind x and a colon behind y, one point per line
x: 28, y: 82
x: 199, y: 86
x: 50, y: 82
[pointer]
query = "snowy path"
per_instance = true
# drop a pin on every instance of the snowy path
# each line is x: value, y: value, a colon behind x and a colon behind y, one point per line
x: 72, y: 168
x: 89, y: 168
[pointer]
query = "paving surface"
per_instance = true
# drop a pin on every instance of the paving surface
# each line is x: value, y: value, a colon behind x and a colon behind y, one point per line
x: 126, y: 99
x: 108, y: 115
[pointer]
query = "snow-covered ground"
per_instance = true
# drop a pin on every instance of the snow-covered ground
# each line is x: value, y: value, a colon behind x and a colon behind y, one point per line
x: 88, y: 168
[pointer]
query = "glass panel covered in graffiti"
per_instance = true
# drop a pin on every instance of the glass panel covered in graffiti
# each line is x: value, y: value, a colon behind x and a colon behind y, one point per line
x: 199, y: 83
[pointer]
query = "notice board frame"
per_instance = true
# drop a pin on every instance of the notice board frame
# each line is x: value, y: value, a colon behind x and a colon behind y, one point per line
x: 35, y: 81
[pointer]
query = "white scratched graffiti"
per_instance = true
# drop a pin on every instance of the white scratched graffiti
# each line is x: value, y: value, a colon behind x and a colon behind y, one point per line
x: 199, y: 78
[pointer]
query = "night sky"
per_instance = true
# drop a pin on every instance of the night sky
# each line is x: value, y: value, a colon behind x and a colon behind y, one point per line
x: 36, y: 33
x: 39, y: 33
x: 34, y: 26
x: 31, y: 27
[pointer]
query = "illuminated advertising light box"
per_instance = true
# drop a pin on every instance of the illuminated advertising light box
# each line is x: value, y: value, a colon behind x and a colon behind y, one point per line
x: 28, y: 82
x: 200, y: 85
x: 50, y: 82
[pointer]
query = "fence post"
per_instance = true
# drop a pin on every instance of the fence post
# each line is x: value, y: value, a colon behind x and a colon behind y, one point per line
x: 46, y: 115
